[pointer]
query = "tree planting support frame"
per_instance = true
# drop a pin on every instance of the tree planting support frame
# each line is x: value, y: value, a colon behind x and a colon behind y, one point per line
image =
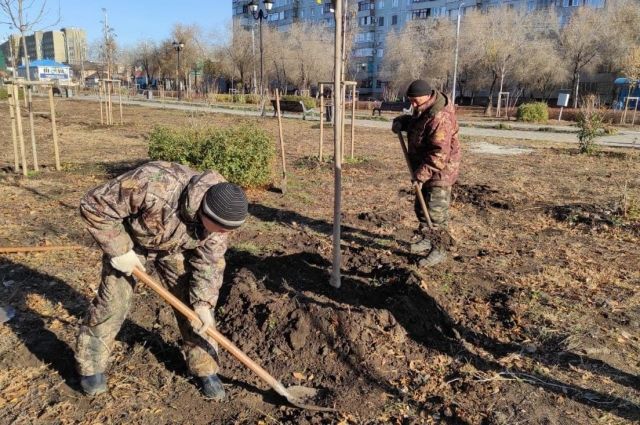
x: 353, y: 85
x: 15, y: 114
x: 623, y: 118
x: 499, y: 108
x: 105, y: 88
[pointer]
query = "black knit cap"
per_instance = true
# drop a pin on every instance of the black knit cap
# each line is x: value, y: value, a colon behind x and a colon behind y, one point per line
x: 418, y: 88
x: 226, y: 204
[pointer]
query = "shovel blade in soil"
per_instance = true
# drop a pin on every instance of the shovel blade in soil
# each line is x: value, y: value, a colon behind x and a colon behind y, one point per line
x: 6, y: 313
x: 300, y: 396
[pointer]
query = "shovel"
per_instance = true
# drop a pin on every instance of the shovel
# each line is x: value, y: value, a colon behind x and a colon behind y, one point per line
x: 296, y: 395
x: 417, y: 188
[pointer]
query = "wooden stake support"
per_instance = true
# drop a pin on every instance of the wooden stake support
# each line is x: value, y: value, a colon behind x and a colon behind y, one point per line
x: 14, y: 137
x: 283, y: 185
x: 27, y: 249
x: 54, y: 130
x: 17, y: 130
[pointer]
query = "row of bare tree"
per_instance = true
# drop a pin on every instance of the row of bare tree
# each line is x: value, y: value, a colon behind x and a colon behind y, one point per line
x: 501, y: 49
x: 510, y: 49
x: 299, y: 57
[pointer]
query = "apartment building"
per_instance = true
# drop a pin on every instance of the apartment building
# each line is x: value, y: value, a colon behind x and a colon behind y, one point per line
x: 375, y: 19
x: 66, y: 46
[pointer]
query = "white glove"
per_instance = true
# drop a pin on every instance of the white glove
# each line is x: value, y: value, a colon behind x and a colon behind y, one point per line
x: 126, y: 262
x: 205, y: 316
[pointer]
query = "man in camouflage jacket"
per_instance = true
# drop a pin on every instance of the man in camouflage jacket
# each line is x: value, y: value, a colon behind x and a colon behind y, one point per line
x: 434, y: 153
x: 178, y: 220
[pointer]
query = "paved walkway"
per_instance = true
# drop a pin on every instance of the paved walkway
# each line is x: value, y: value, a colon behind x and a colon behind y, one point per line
x: 624, y: 138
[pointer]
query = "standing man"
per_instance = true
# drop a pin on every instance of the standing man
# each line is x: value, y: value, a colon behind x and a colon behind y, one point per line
x: 434, y: 153
x: 178, y: 220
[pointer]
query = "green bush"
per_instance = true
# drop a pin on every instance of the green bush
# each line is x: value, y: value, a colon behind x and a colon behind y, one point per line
x: 533, y: 112
x: 242, y: 154
x: 309, y: 102
x: 223, y: 97
x: 590, y: 124
x: 253, y: 99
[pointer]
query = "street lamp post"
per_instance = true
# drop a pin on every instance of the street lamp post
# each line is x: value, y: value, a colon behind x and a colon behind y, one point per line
x: 259, y: 14
x: 178, y: 46
x: 455, y: 64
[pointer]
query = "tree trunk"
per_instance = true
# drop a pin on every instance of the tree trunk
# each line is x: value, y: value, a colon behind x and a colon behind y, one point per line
x: 489, y: 109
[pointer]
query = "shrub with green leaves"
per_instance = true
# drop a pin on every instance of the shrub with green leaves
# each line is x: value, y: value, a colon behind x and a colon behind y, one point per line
x: 309, y: 102
x: 242, y: 154
x: 590, y: 122
x: 533, y: 112
x: 4, y: 95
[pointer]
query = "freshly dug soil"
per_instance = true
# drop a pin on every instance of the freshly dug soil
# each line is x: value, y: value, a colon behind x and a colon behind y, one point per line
x: 533, y: 318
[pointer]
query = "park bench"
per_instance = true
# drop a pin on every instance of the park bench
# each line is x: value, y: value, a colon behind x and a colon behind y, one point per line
x: 291, y: 106
x: 391, y: 106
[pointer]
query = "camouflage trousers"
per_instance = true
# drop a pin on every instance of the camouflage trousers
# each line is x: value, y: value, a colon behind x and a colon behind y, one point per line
x: 438, y: 199
x: 110, y: 307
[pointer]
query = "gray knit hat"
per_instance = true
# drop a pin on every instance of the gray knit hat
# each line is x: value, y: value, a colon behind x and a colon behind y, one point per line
x: 226, y: 204
x: 418, y: 88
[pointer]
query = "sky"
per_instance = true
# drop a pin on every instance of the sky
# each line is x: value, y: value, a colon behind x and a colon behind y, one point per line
x: 135, y: 20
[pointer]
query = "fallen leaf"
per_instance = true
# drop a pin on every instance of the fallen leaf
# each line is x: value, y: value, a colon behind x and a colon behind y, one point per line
x: 299, y: 376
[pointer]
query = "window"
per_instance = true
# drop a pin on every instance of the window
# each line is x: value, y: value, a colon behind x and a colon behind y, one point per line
x: 439, y: 11
x: 380, y: 53
x: 394, y: 20
x: 571, y: 3
x: 394, y: 3
x: 381, y: 21
x: 366, y: 5
x: 421, y: 14
x: 381, y: 4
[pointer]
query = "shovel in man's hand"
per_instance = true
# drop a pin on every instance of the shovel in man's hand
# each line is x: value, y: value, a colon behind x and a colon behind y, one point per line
x: 296, y: 395
x: 416, y: 187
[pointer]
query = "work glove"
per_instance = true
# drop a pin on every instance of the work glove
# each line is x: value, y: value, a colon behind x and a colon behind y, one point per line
x: 417, y: 184
x: 396, y: 126
x: 126, y: 262
x: 205, y: 316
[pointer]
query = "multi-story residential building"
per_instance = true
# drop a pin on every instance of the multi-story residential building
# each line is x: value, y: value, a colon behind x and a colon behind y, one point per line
x: 67, y: 46
x: 75, y: 44
x: 375, y: 19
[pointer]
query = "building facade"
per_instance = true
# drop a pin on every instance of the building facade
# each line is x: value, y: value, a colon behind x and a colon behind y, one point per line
x: 373, y: 20
x: 68, y: 46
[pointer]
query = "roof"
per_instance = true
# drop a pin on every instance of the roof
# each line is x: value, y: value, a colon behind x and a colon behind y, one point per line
x: 45, y: 62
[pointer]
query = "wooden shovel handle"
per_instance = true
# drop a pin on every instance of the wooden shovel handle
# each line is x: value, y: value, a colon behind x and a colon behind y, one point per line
x: 213, y: 333
x: 417, y: 189
x: 23, y: 249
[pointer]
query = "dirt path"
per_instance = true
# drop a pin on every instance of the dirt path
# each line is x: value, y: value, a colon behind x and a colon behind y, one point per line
x: 533, y: 319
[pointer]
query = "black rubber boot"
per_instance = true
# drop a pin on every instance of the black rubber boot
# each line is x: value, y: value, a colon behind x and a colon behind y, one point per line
x: 211, y: 387
x: 436, y: 256
x: 94, y: 384
x: 420, y: 246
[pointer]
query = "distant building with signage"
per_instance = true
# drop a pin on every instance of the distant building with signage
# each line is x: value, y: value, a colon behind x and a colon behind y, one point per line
x: 69, y: 45
x: 47, y: 70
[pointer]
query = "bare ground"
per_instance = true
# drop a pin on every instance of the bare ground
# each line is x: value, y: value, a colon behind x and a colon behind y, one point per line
x: 533, y: 319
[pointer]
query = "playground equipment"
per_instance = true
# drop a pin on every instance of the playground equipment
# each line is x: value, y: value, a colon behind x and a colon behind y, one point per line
x: 15, y: 113
x: 105, y: 90
x: 343, y: 91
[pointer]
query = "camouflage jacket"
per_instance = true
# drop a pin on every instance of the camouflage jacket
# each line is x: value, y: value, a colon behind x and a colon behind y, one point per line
x: 434, y: 149
x: 155, y: 207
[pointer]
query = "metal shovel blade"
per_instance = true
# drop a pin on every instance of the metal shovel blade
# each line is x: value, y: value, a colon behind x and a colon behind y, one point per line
x: 6, y: 313
x: 300, y: 396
